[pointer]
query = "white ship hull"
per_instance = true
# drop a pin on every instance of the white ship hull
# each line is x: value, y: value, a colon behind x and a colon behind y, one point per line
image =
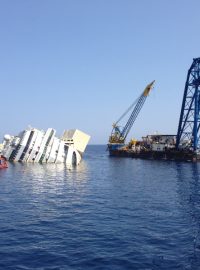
x: 17, y: 153
x: 29, y: 149
x: 36, y: 146
x: 54, y: 150
x: 33, y: 145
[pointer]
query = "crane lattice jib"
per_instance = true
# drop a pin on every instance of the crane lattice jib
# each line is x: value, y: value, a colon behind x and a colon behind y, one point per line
x: 136, y: 111
x: 189, y: 122
x: 133, y: 116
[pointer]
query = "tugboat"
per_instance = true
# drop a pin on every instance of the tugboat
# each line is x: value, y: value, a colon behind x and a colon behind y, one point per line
x: 3, y: 162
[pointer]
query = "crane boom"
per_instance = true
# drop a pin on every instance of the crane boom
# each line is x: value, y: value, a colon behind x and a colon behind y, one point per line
x: 118, y: 135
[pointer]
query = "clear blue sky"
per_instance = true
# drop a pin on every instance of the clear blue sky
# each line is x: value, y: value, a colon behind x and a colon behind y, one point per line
x: 81, y: 63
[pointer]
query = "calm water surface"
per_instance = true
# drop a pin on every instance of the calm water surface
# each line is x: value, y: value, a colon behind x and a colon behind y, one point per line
x: 108, y: 213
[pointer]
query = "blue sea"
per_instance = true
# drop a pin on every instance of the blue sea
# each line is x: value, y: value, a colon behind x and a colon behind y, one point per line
x: 106, y: 213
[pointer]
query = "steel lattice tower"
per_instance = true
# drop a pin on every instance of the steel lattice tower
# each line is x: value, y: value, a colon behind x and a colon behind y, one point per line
x: 189, y: 122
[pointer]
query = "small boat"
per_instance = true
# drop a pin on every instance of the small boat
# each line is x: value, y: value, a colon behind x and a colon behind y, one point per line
x: 3, y: 162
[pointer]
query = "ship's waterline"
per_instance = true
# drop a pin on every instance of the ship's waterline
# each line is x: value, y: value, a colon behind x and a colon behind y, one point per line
x: 34, y: 145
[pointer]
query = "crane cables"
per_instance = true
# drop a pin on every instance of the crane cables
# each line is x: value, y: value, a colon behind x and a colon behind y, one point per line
x: 128, y: 110
x: 144, y: 94
x: 133, y: 116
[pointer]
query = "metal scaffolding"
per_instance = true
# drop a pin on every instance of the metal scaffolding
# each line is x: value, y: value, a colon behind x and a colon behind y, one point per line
x: 189, y: 122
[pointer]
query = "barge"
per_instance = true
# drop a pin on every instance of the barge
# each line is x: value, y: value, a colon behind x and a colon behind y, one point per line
x: 156, y: 147
x: 170, y: 155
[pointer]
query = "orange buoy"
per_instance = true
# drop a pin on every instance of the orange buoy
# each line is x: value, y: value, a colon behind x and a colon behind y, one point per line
x: 3, y: 162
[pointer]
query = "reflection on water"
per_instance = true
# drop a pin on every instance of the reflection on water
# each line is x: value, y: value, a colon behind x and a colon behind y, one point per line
x: 55, y: 185
x: 106, y: 213
x: 189, y: 190
x: 53, y: 173
x: 40, y: 170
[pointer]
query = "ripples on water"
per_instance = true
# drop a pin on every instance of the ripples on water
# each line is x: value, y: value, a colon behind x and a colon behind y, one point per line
x: 107, y: 213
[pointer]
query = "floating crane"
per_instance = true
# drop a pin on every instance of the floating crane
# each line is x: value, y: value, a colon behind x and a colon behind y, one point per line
x: 118, y: 135
x: 185, y: 146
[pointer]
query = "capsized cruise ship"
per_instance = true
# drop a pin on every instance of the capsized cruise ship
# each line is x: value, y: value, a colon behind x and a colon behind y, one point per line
x: 34, y: 145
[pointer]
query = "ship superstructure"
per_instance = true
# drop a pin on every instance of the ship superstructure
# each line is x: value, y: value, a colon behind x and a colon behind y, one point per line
x: 34, y: 145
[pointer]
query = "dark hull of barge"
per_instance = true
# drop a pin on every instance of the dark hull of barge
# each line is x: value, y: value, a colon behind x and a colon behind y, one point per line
x: 187, y: 156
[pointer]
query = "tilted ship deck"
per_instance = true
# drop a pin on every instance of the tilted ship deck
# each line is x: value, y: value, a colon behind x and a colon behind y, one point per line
x: 34, y: 145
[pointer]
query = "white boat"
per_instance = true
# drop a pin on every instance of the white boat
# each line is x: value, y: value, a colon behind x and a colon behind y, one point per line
x: 33, y: 145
